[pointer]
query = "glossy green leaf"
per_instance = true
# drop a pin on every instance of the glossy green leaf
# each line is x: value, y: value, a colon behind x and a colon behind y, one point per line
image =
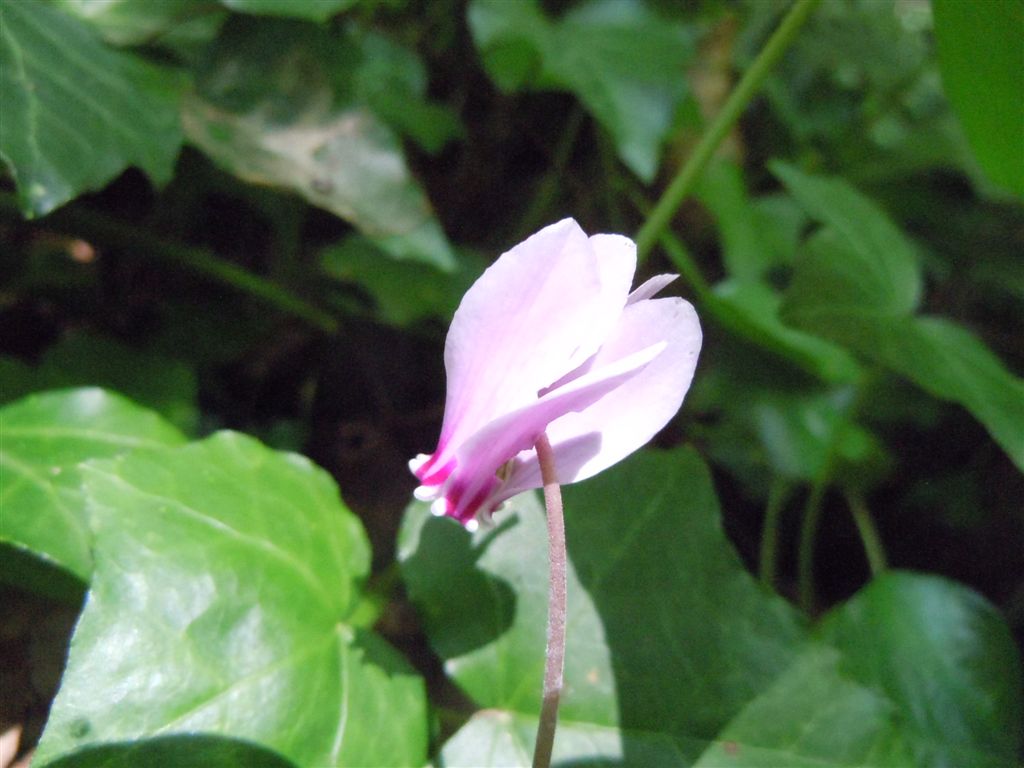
x: 277, y: 103
x: 81, y: 359
x: 623, y: 62
x: 945, y: 657
x: 142, y: 22
x: 755, y: 235
x: 226, y: 576
x: 750, y: 310
x: 500, y: 739
x: 814, y: 715
x: 948, y: 362
x: 43, y: 439
x: 668, y: 635
x: 393, y: 82
x: 981, y: 57
x: 881, y: 273
x: 316, y: 10
x: 77, y: 113
x: 856, y: 286
x: 175, y: 752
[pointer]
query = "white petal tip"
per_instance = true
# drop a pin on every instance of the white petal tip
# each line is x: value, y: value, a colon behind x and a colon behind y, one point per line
x: 439, y: 508
x: 472, y: 525
x: 419, y: 461
x: 426, y: 492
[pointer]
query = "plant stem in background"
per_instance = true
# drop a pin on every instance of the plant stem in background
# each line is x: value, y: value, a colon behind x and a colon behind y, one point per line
x: 868, y: 532
x: 808, y: 538
x: 105, y: 230
x: 555, y: 654
x: 777, y: 496
x: 734, y: 106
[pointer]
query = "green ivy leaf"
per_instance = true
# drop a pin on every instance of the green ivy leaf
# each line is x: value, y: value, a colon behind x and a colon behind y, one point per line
x: 813, y: 715
x: 668, y: 635
x: 751, y: 311
x: 857, y: 285
x: 315, y: 10
x: 278, y: 103
x: 676, y: 657
x: 393, y: 81
x: 882, y: 274
x: 82, y: 359
x: 499, y: 739
x: 43, y: 440
x: 77, y: 113
x: 622, y: 61
x: 980, y: 55
x: 225, y: 582
x: 142, y: 22
x: 945, y: 657
x: 756, y: 235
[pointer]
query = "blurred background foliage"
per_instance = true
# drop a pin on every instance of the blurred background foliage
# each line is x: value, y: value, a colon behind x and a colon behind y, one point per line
x: 261, y: 214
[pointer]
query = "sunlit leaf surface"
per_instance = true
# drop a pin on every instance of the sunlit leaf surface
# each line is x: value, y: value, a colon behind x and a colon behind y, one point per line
x: 276, y: 105
x: 43, y: 439
x: 75, y: 112
x: 226, y: 576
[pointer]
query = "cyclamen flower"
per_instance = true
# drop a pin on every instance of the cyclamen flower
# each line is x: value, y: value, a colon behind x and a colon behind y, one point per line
x: 550, y: 339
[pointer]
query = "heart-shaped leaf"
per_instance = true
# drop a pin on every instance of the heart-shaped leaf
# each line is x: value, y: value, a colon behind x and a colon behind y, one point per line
x: 623, y: 62
x: 278, y: 103
x: 43, y: 439
x: 226, y: 576
x: 77, y: 113
x: 945, y: 657
x: 857, y: 285
x: 668, y: 635
x: 676, y: 657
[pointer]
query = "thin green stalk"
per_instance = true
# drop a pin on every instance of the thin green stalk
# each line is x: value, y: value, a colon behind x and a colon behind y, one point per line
x: 105, y: 230
x: 723, y: 122
x: 812, y: 510
x: 777, y: 496
x: 868, y: 532
x: 808, y: 538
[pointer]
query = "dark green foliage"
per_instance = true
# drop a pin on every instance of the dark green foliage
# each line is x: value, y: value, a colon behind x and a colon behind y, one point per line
x: 259, y: 216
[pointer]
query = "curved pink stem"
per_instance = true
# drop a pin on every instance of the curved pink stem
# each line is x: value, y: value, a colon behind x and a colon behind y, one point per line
x: 555, y: 655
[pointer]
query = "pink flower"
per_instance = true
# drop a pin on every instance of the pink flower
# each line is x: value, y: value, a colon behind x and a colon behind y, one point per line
x: 550, y: 339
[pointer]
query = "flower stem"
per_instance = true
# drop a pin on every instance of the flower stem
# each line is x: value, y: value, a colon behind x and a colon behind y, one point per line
x: 778, y: 494
x: 808, y: 538
x: 868, y: 532
x: 741, y: 95
x: 555, y: 653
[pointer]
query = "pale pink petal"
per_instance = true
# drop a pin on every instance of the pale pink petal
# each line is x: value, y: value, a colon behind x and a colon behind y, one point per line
x: 590, y: 440
x: 540, y: 307
x: 616, y: 262
x: 650, y: 287
x: 473, y: 481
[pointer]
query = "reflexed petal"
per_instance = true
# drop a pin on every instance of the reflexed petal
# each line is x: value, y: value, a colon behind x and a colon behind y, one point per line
x: 479, y: 459
x: 607, y: 431
x: 650, y: 287
x: 539, y: 307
